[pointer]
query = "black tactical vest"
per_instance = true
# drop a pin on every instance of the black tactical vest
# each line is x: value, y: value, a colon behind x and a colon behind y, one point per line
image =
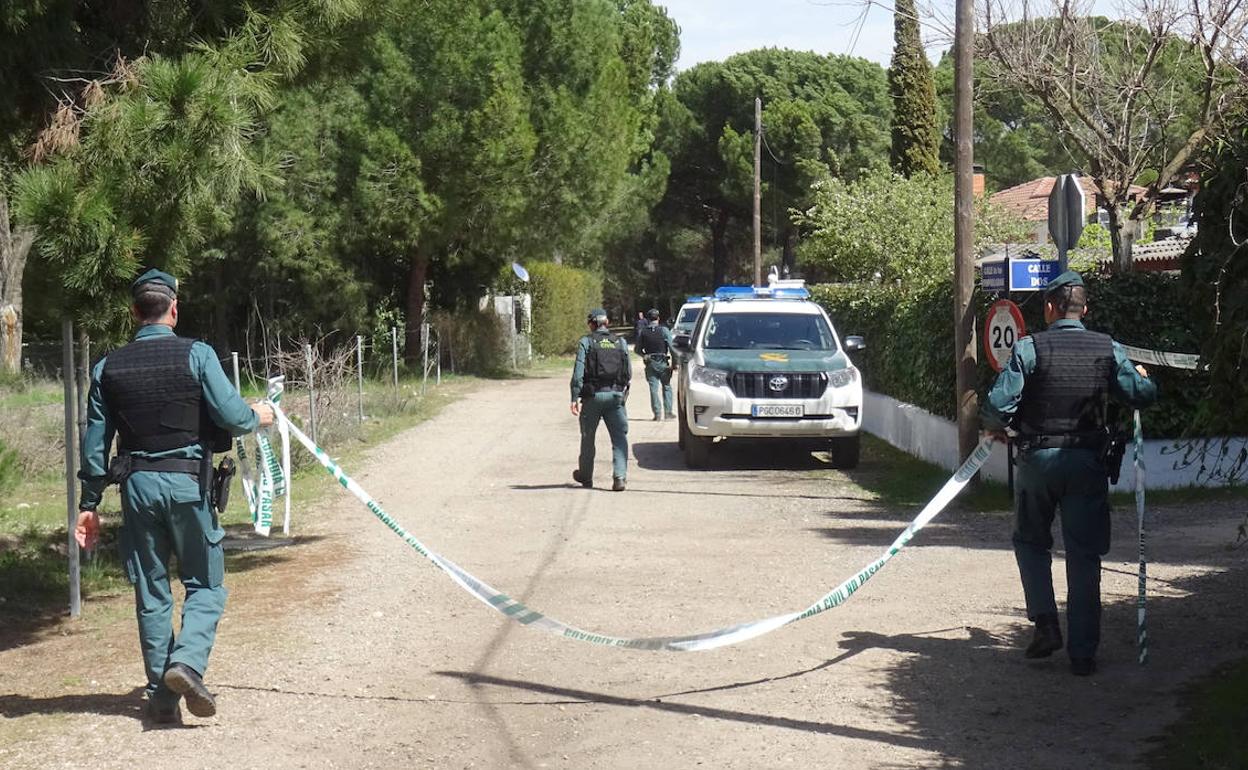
x: 652, y: 340
x: 155, y: 400
x: 606, y: 364
x: 1068, y: 391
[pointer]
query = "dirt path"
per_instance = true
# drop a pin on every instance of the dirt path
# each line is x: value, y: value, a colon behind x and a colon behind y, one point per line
x: 350, y: 651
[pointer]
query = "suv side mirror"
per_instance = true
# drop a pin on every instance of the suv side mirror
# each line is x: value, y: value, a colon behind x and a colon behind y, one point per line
x: 681, y: 342
x: 854, y: 343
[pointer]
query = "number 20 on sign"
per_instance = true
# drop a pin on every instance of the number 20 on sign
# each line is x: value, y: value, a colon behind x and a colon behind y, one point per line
x: 1002, y: 329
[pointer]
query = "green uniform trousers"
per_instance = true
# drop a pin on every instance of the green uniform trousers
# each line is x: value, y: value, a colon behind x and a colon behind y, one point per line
x: 659, y: 378
x: 608, y: 406
x: 164, y: 513
x: 1075, y: 481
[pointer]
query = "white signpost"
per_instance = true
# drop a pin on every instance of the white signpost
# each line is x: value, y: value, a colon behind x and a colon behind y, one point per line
x: 1002, y: 329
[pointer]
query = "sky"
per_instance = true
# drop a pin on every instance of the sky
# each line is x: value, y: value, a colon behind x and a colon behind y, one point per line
x: 712, y: 30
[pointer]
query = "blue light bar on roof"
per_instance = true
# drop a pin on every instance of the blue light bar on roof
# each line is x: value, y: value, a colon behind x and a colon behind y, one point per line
x: 701, y: 298
x: 762, y: 292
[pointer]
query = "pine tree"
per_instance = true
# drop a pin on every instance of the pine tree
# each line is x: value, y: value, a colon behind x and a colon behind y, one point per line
x: 915, y: 142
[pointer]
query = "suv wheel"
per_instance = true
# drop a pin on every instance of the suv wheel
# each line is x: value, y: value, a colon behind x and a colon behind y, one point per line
x: 845, y: 451
x: 697, y: 449
x: 682, y: 429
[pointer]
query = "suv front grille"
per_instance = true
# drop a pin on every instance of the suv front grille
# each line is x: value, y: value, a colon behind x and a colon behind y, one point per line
x: 797, y: 385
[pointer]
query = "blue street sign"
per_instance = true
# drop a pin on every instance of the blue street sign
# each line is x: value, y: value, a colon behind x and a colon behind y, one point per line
x: 1024, y: 274
x: 992, y: 276
x: 1032, y: 274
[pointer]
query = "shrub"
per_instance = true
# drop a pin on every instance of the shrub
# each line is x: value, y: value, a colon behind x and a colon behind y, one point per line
x: 474, y: 341
x: 562, y: 296
x: 909, y: 335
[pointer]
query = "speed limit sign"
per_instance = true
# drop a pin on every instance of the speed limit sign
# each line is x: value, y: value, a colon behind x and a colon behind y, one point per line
x: 1003, y: 328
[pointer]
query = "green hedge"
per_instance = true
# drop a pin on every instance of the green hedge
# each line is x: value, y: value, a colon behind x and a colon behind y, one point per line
x: 562, y: 296
x: 909, y: 334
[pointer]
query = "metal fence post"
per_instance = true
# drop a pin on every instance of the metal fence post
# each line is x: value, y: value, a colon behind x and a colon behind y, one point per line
x: 424, y: 366
x: 307, y: 354
x: 71, y: 469
x: 359, y: 372
x: 394, y: 344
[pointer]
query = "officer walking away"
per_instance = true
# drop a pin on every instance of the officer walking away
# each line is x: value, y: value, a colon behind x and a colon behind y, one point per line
x: 1053, y: 397
x: 170, y: 406
x: 654, y: 345
x: 600, y: 381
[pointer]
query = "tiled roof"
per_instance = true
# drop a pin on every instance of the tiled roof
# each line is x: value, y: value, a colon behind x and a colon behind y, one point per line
x: 1029, y: 200
x: 1166, y: 248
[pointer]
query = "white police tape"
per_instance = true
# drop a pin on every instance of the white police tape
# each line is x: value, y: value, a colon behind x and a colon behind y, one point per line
x: 1141, y: 628
x: 269, y: 478
x: 1172, y: 360
x: 741, y: 632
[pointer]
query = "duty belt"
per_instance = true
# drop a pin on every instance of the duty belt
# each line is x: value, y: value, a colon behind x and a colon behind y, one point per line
x: 1095, y: 440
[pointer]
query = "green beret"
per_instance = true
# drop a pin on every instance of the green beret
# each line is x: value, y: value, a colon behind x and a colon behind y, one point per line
x: 1068, y: 278
x: 158, y: 277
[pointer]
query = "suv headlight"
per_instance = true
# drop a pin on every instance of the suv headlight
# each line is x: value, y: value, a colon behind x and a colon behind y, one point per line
x: 842, y: 377
x: 716, y: 378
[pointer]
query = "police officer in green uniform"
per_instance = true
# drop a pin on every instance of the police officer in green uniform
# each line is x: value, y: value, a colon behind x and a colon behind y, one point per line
x: 169, y: 403
x: 654, y: 345
x: 1052, y: 397
x: 600, y: 382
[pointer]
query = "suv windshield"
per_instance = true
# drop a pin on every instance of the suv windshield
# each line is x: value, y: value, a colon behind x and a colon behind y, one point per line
x: 687, y: 318
x: 764, y: 331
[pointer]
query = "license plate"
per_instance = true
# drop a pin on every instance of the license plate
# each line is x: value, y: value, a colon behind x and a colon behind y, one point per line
x: 778, y: 410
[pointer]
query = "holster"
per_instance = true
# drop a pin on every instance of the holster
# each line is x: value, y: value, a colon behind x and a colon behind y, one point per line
x: 220, y: 493
x: 120, y: 468
x: 1115, y: 450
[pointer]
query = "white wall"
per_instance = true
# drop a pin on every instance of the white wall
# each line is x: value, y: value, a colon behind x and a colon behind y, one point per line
x: 935, y: 439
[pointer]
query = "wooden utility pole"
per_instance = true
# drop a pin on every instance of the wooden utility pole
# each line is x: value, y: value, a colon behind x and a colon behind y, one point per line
x: 758, y: 191
x: 963, y: 232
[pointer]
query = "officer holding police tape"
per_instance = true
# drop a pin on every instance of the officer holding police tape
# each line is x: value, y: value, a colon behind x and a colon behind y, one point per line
x: 170, y: 406
x: 1052, y: 399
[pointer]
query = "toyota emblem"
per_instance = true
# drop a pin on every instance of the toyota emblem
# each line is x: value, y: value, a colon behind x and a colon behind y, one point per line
x: 778, y: 383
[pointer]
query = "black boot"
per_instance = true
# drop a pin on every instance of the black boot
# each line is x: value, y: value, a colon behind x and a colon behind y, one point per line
x: 1047, y: 638
x: 187, y: 682
x: 579, y: 479
x: 1083, y: 666
x: 164, y: 712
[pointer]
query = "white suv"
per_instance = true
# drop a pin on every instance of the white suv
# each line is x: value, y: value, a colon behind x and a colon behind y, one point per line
x: 766, y: 363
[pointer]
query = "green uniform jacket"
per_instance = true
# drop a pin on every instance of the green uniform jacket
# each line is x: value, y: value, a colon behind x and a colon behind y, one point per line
x: 225, y: 406
x: 1002, y: 404
x: 578, y: 370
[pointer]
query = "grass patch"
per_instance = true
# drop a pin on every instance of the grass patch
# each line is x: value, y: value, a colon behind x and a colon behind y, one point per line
x: 1210, y: 734
x: 34, y: 580
x: 897, y: 478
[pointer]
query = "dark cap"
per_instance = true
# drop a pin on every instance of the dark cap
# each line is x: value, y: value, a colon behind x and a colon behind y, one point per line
x: 1068, y: 278
x: 595, y: 315
x: 653, y: 315
x: 156, y: 277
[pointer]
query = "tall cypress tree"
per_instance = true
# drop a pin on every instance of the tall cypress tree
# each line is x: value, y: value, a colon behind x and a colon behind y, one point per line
x: 915, y: 145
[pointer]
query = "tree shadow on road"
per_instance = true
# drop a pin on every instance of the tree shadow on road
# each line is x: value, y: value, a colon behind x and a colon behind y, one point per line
x: 736, y: 455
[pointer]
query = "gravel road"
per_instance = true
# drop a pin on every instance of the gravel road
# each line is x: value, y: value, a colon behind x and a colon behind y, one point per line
x: 349, y: 650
